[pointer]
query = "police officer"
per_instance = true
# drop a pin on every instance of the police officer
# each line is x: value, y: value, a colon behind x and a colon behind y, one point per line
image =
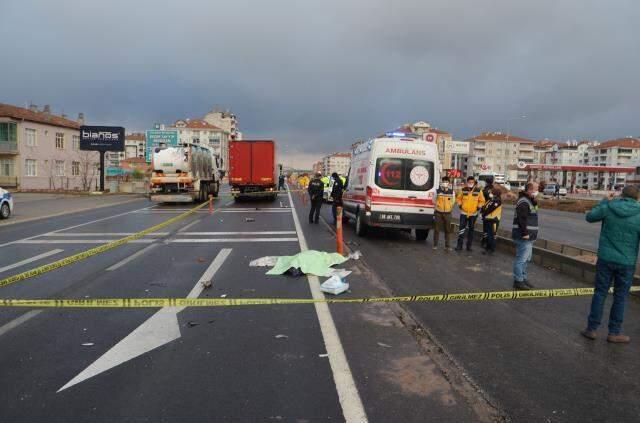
x: 336, y: 195
x: 281, y: 182
x: 316, y: 189
x: 470, y: 200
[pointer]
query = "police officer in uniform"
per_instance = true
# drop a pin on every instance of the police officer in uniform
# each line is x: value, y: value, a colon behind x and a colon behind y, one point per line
x: 336, y: 195
x: 315, y: 189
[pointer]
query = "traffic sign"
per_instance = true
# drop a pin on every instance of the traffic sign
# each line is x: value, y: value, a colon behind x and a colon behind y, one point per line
x: 160, y: 138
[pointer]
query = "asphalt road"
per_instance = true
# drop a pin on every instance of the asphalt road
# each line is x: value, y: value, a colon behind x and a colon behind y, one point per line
x: 298, y: 363
x: 526, y: 356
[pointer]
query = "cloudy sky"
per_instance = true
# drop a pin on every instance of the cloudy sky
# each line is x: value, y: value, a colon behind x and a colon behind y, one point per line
x: 317, y: 75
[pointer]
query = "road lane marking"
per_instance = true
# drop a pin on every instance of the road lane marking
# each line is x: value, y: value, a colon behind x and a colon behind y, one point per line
x: 159, y: 329
x: 30, y: 260
x: 82, y: 241
x: 79, y: 234
x: 206, y: 240
x: 185, y: 227
x: 254, y: 211
x: 132, y: 257
x: 241, y: 233
x: 229, y: 203
x: 352, y: 408
x: 75, y: 226
x: 18, y: 321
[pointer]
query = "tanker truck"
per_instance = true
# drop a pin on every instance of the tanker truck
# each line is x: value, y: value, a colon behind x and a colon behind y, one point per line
x: 184, y: 174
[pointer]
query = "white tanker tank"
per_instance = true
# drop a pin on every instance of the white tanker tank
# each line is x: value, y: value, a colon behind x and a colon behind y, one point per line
x: 184, y: 174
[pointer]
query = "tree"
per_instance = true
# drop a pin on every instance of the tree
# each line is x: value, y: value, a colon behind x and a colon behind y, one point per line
x: 88, y: 168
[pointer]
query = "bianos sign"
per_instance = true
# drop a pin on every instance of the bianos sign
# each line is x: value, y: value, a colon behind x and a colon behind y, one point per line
x: 102, y: 138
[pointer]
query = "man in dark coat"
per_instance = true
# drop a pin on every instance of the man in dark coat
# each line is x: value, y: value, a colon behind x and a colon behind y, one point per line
x: 315, y: 190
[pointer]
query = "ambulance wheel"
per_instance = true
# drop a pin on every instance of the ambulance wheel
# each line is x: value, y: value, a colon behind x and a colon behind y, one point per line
x: 361, y: 227
x: 422, y: 234
x: 5, y: 211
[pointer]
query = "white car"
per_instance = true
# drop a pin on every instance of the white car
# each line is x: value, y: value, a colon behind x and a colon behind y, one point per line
x: 6, y: 203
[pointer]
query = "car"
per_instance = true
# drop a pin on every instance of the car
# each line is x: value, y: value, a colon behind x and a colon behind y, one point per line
x: 6, y: 203
x: 554, y: 189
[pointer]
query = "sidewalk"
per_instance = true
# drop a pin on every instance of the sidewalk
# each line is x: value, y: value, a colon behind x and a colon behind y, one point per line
x: 34, y: 206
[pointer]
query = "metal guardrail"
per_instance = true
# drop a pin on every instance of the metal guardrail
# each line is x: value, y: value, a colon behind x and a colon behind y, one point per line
x: 8, y: 147
x: 9, y: 181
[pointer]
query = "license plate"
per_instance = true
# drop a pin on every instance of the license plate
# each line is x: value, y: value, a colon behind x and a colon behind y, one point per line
x: 385, y: 217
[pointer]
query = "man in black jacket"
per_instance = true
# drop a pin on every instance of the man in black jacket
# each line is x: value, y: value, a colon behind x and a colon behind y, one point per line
x: 336, y: 195
x: 316, y: 189
x: 486, y: 191
x: 524, y: 233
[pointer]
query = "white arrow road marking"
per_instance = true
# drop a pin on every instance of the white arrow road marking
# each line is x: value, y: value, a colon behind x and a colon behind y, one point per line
x: 159, y: 329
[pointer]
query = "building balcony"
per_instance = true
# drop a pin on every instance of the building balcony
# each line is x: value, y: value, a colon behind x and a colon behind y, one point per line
x: 7, y: 147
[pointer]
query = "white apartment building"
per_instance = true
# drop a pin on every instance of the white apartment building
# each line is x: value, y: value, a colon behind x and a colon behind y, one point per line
x: 41, y: 151
x: 336, y: 162
x: 500, y: 153
x: 199, y: 131
x: 225, y: 120
x: 134, y: 147
x: 617, y: 152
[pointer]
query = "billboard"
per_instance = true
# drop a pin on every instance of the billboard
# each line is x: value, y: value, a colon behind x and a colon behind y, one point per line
x: 160, y: 138
x: 102, y: 138
x: 456, y: 147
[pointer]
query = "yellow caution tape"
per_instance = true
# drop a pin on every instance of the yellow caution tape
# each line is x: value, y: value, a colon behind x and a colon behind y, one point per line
x: 93, y: 251
x: 226, y: 302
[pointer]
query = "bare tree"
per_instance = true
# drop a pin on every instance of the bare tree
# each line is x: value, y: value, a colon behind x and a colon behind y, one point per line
x: 88, y: 169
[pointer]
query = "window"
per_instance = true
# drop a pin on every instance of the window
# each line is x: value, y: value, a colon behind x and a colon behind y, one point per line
x: 404, y: 174
x: 30, y: 137
x: 59, y: 140
x: 75, y: 142
x: 75, y: 168
x: 6, y: 167
x: 8, y: 132
x: 30, y: 167
x: 59, y: 168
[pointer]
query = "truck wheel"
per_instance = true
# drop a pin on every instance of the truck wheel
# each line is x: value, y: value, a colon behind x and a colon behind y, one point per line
x: 422, y: 234
x: 361, y: 227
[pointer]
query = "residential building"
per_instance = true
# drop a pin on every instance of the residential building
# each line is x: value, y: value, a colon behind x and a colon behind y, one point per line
x: 336, y: 162
x: 616, y: 152
x: 225, y: 120
x: 199, y: 131
x: 134, y: 145
x: 500, y: 153
x: 441, y: 138
x: 41, y: 151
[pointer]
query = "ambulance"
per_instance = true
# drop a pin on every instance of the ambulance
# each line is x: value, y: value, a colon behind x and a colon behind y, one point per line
x: 392, y: 183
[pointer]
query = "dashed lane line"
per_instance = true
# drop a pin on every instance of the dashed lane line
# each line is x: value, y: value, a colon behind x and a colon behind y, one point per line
x: 30, y: 260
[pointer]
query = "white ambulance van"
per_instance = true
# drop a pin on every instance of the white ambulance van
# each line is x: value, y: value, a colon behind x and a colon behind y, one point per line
x: 392, y: 184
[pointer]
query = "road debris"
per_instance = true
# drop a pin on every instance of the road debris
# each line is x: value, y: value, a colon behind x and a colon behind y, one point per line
x: 334, y: 285
x: 323, y: 355
x: 88, y: 344
x: 191, y: 323
x: 206, y: 284
x: 264, y: 261
x: 281, y: 336
x: 249, y: 219
x: 382, y: 344
x: 223, y: 296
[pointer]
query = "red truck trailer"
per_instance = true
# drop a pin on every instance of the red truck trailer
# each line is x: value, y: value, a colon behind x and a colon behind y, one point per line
x: 252, y: 168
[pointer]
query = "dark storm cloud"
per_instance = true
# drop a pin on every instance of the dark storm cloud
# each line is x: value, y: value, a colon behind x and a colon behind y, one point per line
x: 317, y: 75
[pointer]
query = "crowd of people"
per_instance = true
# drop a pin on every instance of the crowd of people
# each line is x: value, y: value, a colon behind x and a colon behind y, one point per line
x: 617, y: 249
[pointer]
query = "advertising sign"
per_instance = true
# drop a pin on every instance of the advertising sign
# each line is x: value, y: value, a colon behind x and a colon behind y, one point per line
x: 160, y: 138
x: 456, y: 147
x: 102, y: 138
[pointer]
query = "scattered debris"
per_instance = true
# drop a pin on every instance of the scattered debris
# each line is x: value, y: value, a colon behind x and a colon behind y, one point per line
x: 355, y: 255
x: 191, y: 323
x: 206, y: 284
x: 88, y: 344
x: 281, y: 337
x: 201, y: 260
x: 212, y: 321
x: 334, y: 285
x: 264, y: 261
x: 341, y: 273
x: 323, y: 355
x: 382, y: 344
x: 249, y: 219
x: 223, y: 296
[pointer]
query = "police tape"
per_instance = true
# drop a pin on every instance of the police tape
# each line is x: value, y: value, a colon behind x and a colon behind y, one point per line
x: 94, y: 251
x: 230, y: 302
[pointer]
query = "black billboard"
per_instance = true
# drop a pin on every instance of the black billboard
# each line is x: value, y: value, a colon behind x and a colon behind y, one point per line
x: 102, y: 138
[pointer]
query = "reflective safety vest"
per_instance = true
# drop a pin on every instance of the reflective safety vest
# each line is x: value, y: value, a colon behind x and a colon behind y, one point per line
x: 444, y: 200
x: 532, y: 220
x: 470, y: 200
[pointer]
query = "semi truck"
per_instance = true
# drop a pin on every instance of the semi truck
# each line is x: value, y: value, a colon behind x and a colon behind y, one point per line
x: 252, y: 169
x: 184, y: 174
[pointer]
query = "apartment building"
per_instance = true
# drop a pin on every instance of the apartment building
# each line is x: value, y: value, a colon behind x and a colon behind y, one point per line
x: 134, y: 147
x: 317, y: 167
x: 199, y: 131
x: 225, y: 120
x: 41, y: 151
x: 336, y: 162
x: 616, y: 152
x: 441, y: 138
x: 500, y: 153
